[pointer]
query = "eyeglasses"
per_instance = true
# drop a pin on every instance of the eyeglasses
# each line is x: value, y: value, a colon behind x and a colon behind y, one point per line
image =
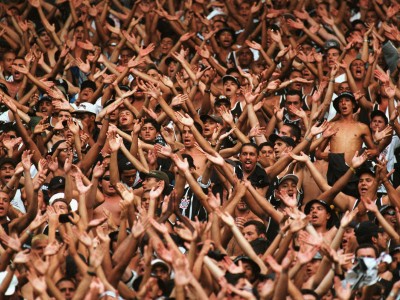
x: 106, y: 178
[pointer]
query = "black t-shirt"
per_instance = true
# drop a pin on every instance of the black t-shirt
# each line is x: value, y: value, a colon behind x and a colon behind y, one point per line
x: 258, y: 177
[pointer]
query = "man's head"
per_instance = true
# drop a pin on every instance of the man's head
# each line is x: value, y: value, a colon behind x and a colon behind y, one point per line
x: 67, y: 287
x: 248, y: 156
x: 367, y: 183
x: 39, y: 243
x: 225, y: 37
x: 366, y: 250
x: 319, y: 211
x: 7, y: 61
x: 378, y: 121
x: 288, y: 184
x: 367, y: 232
x: 293, y: 99
x: 105, y: 184
x: 166, y: 44
x: 125, y: 119
x: 345, y: 104
x: 282, y: 144
x: 245, y: 57
x: 19, y: 62
x: 7, y: 169
x: 160, y: 269
x: 357, y: 68
x: 4, y: 204
x: 253, y: 230
x: 211, y: 123
x: 45, y: 106
x: 266, y: 150
x: 88, y: 87
x: 332, y: 56
x: 231, y: 85
x: 389, y: 213
x: 295, y: 86
x: 291, y: 130
x: 149, y: 130
x: 188, y: 137
x: 155, y: 179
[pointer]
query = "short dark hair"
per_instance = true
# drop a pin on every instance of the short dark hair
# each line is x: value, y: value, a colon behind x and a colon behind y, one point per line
x: 260, y: 226
x: 366, y: 246
x: 249, y: 144
x: 295, y: 93
x: 152, y: 122
x: 265, y: 144
x: 294, y: 131
x: 310, y: 292
x: 66, y: 279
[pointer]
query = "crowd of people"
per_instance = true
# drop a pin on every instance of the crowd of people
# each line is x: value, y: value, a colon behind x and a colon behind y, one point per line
x: 192, y: 149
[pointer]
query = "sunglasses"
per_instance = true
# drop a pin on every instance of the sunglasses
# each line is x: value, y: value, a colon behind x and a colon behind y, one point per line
x: 106, y: 178
x: 390, y: 213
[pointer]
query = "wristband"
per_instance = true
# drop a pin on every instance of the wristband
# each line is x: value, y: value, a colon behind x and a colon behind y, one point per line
x: 207, y: 91
x: 107, y: 118
x: 308, y: 139
x: 353, y: 170
x: 7, y: 186
x: 176, y: 151
x: 376, y: 142
x: 366, y: 41
x: 28, y: 232
x: 91, y: 273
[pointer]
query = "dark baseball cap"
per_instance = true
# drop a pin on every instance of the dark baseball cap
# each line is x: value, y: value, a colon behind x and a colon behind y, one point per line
x: 231, y: 78
x: 287, y: 140
x: 212, y: 117
x: 57, y: 182
x: 307, y: 208
x: 221, y: 99
x: 367, y: 228
x: 159, y: 175
x: 88, y: 84
x: 287, y: 177
x: 331, y: 44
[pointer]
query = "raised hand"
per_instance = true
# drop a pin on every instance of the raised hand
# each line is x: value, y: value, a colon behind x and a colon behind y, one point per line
x: 358, y: 160
x: 185, y: 120
x: 380, y: 135
x: 301, y: 158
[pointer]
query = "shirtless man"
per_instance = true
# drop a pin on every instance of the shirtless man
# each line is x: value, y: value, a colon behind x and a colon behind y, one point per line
x: 16, y: 87
x: 111, y: 200
x: 188, y: 140
x: 349, y: 139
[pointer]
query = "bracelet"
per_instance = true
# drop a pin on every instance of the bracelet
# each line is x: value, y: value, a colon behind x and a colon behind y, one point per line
x: 107, y: 118
x: 353, y: 170
x: 392, y: 294
x: 207, y: 91
x: 366, y: 41
x: 91, y: 273
x: 7, y: 186
x: 308, y: 139
x: 376, y: 142
x: 176, y: 150
x: 331, y: 80
x: 196, y: 84
x: 290, y: 81
x: 28, y: 232
x: 391, y: 123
